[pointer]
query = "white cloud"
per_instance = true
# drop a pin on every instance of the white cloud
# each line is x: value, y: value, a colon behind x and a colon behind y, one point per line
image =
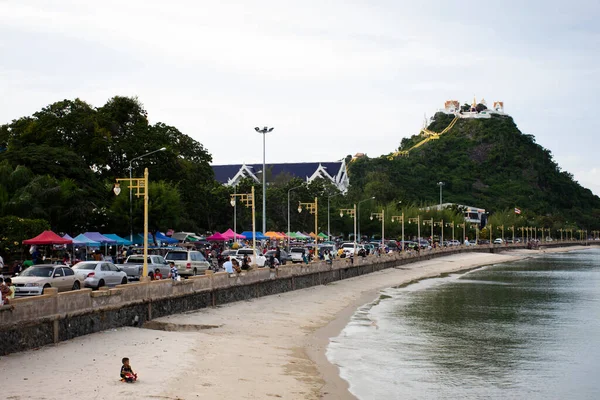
x: 334, y: 78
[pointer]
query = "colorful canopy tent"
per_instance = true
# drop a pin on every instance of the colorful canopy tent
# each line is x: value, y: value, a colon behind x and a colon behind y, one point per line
x: 300, y: 235
x: 231, y: 235
x: 83, y: 240
x: 98, y: 237
x: 165, y: 239
x: 273, y: 235
x: 292, y: 235
x: 139, y: 238
x: 46, y: 238
x: 120, y: 241
x: 312, y: 235
x: 322, y: 235
x: 75, y: 242
x: 283, y: 235
x: 217, y: 237
x: 259, y: 235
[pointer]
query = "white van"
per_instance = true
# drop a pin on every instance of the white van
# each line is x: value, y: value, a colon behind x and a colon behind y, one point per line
x: 188, y: 263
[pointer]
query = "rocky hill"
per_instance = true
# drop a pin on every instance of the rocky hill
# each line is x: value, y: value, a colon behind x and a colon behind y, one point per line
x: 486, y: 163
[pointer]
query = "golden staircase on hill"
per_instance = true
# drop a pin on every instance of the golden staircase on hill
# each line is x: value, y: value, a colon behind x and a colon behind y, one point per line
x: 429, y: 135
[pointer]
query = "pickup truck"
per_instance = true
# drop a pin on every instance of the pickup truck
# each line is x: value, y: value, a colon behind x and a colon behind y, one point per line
x: 255, y: 259
x: 135, y: 263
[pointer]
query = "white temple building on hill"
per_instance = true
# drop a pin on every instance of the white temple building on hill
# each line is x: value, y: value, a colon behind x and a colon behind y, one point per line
x: 453, y: 107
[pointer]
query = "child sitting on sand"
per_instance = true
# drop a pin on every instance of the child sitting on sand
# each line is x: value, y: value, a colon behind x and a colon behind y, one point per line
x: 127, y: 374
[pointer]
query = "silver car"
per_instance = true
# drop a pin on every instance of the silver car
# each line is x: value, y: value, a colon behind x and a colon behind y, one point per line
x: 95, y: 274
x: 35, y: 279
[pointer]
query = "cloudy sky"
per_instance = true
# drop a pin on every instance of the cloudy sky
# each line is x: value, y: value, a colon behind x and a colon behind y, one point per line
x: 333, y: 77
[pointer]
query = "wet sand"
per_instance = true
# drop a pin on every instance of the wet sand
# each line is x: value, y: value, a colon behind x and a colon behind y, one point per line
x: 271, y: 347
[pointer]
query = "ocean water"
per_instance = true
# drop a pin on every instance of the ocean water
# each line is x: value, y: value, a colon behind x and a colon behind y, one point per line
x: 523, y: 330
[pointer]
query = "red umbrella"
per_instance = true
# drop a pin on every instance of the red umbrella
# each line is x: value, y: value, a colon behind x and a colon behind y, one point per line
x: 47, y: 237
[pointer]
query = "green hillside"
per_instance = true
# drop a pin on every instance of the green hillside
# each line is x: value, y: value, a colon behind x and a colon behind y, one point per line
x: 484, y: 163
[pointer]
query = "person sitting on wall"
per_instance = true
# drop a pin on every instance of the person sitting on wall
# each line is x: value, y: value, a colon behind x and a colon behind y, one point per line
x: 236, y: 266
x: 157, y: 275
x: 246, y: 263
x: 228, y: 265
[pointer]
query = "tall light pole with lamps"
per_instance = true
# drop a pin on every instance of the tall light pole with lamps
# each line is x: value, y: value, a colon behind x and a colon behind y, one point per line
x: 248, y: 199
x: 418, y: 221
x: 351, y: 212
x: 141, y: 186
x: 328, y: 216
x: 288, y: 219
x: 440, y: 184
x: 401, y: 219
x: 381, y: 216
x: 358, y: 215
x: 264, y: 132
x: 313, y: 208
x: 131, y: 191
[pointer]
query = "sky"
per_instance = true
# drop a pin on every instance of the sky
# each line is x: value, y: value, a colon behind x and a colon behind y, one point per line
x: 332, y: 77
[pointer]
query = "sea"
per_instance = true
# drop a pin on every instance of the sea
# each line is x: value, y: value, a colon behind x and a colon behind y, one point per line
x: 522, y: 330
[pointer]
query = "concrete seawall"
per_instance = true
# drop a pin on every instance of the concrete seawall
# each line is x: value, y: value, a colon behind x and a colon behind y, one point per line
x: 53, y: 317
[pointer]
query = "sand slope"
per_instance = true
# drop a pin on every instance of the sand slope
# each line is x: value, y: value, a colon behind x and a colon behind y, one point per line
x: 272, y: 347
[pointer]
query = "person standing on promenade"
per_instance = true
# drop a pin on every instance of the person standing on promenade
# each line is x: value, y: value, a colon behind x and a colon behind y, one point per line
x: 174, y: 274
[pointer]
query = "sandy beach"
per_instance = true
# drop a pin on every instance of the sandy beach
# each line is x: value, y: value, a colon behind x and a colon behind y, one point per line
x: 271, y: 347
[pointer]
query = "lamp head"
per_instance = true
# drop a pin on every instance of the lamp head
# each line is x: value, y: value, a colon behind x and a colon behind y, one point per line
x: 117, y: 189
x: 299, y: 209
x: 371, y: 218
x: 341, y: 214
x: 232, y: 202
x: 257, y: 129
x: 162, y: 149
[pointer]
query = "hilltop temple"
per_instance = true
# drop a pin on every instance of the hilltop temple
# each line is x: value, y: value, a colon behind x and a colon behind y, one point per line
x: 453, y: 107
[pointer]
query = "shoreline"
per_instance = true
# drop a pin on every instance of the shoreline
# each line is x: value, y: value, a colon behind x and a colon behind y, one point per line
x: 268, y: 347
x: 337, y: 388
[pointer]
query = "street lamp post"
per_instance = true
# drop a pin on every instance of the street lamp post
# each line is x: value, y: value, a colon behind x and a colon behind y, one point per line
x: 429, y: 222
x: 248, y: 199
x: 418, y: 221
x: 452, y: 225
x: 264, y: 132
x: 440, y: 184
x: 328, y: 216
x: 441, y: 225
x: 288, y: 218
x: 351, y: 212
x: 464, y: 228
x: 381, y: 216
x: 313, y: 208
x: 512, y: 228
x: 141, y: 186
x: 131, y: 192
x: 401, y: 219
x: 358, y: 215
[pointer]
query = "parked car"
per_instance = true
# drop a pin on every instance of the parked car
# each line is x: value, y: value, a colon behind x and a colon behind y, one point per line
x: 498, y: 241
x: 424, y: 243
x: 408, y: 244
x: 285, y: 257
x: 296, y: 254
x: 349, y: 248
x: 188, y: 263
x: 134, y: 266
x: 256, y: 258
x: 35, y: 279
x: 483, y: 241
x: 95, y: 274
x: 453, y: 243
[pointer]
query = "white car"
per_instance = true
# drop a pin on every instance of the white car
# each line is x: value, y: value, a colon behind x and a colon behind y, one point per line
x: 349, y: 248
x: 297, y: 253
x: 95, y: 274
x: 33, y: 280
x: 256, y: 258
x: 498, y: 241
